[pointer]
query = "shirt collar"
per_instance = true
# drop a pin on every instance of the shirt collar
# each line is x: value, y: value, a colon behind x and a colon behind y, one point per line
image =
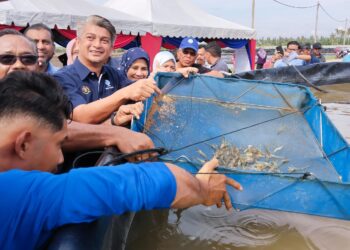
x: 83, y: 71
x: 51, y: 69
x: 216, y: 62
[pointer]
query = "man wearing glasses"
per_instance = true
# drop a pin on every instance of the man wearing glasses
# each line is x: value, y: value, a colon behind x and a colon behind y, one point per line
x: 187, y: 54
x: 16, y: 53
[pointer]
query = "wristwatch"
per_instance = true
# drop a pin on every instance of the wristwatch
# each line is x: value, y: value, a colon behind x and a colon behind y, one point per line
x: 112, y: 118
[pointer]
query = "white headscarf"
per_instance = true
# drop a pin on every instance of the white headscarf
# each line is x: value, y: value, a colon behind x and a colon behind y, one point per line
x: 161, y: 58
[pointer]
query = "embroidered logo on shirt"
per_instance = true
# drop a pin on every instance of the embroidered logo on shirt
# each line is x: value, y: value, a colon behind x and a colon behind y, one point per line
x: 108, y: 85
x: 85, y: 89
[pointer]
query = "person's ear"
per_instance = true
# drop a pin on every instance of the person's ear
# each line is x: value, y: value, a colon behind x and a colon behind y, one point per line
x: 23, y: 144
x: 178, y: 53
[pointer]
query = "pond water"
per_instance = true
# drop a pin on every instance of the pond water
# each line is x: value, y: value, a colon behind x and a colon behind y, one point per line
x: 203, y: 228
x: 210, y: 228
x: 337, y: 103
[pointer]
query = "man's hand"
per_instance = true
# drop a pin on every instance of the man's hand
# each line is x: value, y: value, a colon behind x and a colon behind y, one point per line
x: 213, y: 186
x: 126, y: 112
x: 142, y: 89
x: 129, y: 141
x: 187, y: 71
x: 207, y: 187
x: 83, y: 136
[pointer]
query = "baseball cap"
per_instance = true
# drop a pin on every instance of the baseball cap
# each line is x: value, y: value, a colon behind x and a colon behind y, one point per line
x: 189, y: 43
x: 305, y: 46
x: 317, y: 46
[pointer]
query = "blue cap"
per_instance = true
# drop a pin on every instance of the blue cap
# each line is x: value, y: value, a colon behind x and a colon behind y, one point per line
x: 189, y: 43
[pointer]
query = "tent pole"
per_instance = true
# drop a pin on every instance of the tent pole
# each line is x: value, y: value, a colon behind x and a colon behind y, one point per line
x: 252, y: 49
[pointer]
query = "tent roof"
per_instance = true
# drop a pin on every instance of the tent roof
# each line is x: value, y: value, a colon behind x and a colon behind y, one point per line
x: 179, y: 18
x: 64, y: 13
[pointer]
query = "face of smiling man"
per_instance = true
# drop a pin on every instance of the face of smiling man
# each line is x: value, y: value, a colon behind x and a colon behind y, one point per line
x: 44, y: 44
x: 20, y: 47
x: 95, y: 45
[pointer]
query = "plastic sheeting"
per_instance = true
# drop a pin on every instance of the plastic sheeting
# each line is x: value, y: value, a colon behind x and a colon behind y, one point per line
x: 310, y: 157
x: 317, y: 74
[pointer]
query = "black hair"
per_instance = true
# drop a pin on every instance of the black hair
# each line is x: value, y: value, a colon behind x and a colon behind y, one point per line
x: 293, y: 43
x: 40, y: 26
x: 36, y: 95
x: 214, y: 49
x: 5, y: 32
x: 202, y: 46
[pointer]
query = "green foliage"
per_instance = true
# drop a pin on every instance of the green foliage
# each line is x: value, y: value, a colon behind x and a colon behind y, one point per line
x: 333, y: 39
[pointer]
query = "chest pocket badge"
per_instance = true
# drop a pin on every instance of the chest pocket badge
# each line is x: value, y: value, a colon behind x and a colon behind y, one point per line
x: 86, y: 90
x: 108, y: 85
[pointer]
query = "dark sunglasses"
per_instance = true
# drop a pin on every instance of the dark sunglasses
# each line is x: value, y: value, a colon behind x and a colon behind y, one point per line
x: 189, y: 51
x: 25, y: 59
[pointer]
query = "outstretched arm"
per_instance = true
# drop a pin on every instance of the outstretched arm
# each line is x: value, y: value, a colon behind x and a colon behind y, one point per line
x: 87, y: 136
x: 43, y: 201
x: 98, y: 111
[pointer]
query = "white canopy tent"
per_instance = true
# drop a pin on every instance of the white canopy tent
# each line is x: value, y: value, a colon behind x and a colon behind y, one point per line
x: 64, y: 13
x: 180, y: 18
x: 151, y: 19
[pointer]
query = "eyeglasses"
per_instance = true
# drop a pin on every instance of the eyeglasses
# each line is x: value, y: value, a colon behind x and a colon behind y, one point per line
x: 25, y: 59
x: 189, y: 51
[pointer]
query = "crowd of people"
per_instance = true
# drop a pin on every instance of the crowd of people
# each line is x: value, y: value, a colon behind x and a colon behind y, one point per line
x: 46, y: 112
x: 294, y: 54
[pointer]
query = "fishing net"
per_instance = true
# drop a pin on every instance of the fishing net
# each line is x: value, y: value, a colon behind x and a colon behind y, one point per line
x: 267, y: 135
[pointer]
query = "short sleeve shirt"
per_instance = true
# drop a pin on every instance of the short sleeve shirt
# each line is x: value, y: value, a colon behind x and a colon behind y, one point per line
x: 83, y: 86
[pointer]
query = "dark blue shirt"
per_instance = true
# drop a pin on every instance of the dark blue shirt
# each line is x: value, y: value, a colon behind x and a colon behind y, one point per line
x: 33, y: 203
x: 83, y: 86
x: 314, y: 59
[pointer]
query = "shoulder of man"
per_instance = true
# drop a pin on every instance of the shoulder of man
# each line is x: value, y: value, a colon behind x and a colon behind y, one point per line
x: 66, y: 73
x: 201, y: 69
x: 221, y: 65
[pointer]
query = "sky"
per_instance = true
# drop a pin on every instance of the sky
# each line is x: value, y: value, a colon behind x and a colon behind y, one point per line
x: 273, y: 19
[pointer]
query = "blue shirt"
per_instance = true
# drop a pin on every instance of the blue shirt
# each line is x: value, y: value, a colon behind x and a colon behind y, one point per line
x: 83, y: 86
x: 51, y: 69
x: 33, y: 203
x: 346, y: 58
x: 313, y: 60
x: 282, y: 63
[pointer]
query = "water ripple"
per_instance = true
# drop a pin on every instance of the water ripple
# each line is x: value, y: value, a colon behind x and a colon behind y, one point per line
x: 240, y: 229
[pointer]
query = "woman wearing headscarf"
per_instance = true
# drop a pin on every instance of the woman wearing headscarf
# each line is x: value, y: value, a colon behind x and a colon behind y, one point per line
x: 134, y: 66
x: 165, y: 61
